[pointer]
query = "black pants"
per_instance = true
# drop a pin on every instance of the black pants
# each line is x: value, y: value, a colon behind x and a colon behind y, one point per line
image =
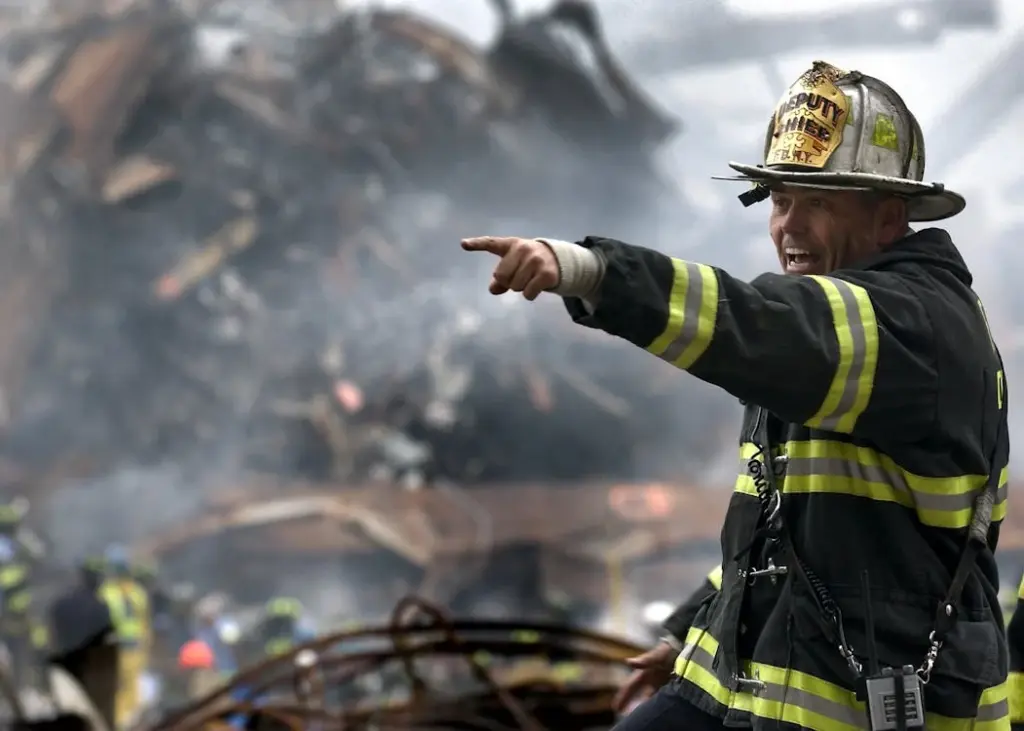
x: 668, y: 711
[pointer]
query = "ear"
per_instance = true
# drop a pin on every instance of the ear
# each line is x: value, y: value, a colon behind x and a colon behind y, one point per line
x: 891, y: 220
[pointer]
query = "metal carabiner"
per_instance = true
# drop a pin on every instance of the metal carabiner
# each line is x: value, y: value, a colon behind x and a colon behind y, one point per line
x: 774, y: 509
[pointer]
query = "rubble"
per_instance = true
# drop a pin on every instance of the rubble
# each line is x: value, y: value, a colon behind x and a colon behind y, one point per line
x: 449, y: 544
x: 239, y: 253
x: 434, y: 673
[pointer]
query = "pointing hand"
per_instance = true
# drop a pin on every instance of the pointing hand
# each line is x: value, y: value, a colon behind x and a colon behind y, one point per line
x: 527, y: 265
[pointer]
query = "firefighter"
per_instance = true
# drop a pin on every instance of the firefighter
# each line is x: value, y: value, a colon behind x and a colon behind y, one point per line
x: 282, y: 627
x: 19, y: 550
x: 129, y: 609
x: 197, y: 662
x: 858, y: 547
x: 1015, y: 686
x: 82, y: 639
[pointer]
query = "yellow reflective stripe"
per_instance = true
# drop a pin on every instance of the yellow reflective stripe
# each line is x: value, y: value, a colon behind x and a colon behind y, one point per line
x: 789, y: 696
x: 692, y: 311
x: 1015, y: 693
x: 826, y: 466
x: 12, y: 575
x: 715, y: 576
x: 856, y: 331
x: 1020, y: 590
x: 798, y: 698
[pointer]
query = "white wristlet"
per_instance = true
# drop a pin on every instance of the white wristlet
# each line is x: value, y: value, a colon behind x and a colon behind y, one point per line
x: 672, y: 642
x: 581, y: 269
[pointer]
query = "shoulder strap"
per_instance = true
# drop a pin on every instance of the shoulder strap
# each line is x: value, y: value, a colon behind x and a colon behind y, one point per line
x: 977, y: 533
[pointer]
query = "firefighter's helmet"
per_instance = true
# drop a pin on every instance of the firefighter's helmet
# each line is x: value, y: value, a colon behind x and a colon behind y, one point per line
x: 283, y: 606
x: 844, y: 130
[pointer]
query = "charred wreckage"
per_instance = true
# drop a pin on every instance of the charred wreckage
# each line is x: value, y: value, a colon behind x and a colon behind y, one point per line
x: 237, y: 242
x: 232, y: 247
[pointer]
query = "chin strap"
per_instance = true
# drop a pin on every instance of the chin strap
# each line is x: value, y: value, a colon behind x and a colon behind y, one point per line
x: 756, y: 194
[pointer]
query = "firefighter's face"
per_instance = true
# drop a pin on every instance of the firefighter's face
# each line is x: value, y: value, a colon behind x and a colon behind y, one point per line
x: 819, y: 231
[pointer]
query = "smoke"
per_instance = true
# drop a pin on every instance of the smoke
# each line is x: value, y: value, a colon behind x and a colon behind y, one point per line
x: 183, y: 396
x: 134, y: 503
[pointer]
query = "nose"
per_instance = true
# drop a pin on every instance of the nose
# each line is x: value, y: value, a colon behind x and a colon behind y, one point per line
x: 794, y: 221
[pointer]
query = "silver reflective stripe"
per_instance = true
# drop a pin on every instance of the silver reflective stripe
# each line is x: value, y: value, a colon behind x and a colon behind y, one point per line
x: 993, y: 711
x: 691, y: 314
x: 847, y: 469
x: 842, y: 468
x: 858, y: 357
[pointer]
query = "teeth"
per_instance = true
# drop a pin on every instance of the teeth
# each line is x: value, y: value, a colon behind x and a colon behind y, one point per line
x: 797, y: 252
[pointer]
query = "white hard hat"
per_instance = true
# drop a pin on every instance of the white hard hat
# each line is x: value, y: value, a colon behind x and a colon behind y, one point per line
x: 229, y: 631
x: 844, y: 130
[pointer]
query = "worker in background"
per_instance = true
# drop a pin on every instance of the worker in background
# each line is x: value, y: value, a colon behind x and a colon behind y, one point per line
x: 875, y: 406
x: 19, y: 551
x: 129, y: 609
x: 82, y: 637
x: 218, y: 632
x: 282, y: 627
x: 196, y: 661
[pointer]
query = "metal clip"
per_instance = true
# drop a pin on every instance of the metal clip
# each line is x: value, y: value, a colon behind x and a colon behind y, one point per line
x: 754, y: 685
x: 772, y: 571
x: 844, y: 646
x: 925, y: 671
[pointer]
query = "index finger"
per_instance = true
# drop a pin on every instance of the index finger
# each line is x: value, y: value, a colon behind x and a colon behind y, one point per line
x: 499, y: 245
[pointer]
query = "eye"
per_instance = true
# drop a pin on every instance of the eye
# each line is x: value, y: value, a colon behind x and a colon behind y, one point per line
x: 780, y: 203
x: 816, y: 202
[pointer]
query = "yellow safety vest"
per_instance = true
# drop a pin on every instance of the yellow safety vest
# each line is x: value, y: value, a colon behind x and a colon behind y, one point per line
x: 129, y: 610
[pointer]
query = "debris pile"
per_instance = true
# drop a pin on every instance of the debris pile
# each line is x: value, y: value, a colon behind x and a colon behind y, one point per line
x: 239, y: 248
x: 435, y: 673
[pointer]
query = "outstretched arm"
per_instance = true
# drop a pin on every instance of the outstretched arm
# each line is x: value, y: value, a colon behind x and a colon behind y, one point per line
x: 832, y: 352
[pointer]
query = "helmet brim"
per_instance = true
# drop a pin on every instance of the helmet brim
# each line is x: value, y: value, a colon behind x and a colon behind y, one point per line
x: 925, y: 201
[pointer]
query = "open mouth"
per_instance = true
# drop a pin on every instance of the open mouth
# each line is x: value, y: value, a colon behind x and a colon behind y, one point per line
x: 801, y: 261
